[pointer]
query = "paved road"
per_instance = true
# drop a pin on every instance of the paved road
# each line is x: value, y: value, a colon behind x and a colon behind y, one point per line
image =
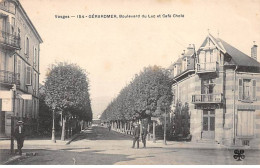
x: 100, y: 147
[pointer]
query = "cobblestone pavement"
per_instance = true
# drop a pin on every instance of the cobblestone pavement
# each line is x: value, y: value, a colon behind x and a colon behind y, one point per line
x: 101, y: 147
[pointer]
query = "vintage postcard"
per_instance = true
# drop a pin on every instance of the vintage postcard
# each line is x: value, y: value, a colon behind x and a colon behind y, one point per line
x: 128, y: 82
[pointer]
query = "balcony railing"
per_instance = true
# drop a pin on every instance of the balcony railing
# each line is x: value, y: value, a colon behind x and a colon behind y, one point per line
x: 207, y: 98
x: 207, y: 67
x: 10, y: 9
x: 9, y: 78
x: 9, y: 40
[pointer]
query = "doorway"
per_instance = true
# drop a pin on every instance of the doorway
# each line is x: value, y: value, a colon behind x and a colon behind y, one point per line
x: 208, y: 131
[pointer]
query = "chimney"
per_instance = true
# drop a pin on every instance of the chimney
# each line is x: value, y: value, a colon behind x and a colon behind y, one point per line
x: 254, y: 51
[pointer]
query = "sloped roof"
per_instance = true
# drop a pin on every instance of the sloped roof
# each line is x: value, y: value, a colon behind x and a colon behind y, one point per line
x: 239, y: 58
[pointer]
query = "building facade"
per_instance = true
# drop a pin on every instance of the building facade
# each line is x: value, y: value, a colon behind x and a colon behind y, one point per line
x: 221, y: 86
x: 19, y: 67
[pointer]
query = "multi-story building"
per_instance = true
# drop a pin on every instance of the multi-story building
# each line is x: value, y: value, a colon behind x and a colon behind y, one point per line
x: 19, y: 66
x: 221, y: 86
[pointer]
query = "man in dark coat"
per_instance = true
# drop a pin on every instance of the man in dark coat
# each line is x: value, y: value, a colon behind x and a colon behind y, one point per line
x: 109, y: 127
x: 136, y: 135
x: 19, y: 135
x: 144, y: 134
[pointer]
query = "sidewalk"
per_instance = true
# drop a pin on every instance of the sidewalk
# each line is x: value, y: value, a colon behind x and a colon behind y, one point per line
x: 28, y: 150
x: 195, y: 145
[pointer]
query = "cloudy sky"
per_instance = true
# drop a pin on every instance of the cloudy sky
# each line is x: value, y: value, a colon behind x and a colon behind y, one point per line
x: 112, y: 51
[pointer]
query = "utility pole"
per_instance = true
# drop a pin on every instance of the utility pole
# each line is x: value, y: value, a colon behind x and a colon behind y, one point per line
x: 12, y: 120
x: 164, y: 135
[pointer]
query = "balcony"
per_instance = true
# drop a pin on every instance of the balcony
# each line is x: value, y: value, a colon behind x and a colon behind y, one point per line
x: 207, y: 98
x: 9, y: 41
x: 7, y: 8
x: 207, y: 67
x: 9, y: 78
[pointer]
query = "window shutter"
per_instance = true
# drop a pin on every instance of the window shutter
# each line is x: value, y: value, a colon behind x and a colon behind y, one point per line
x: 28, y: 75
x: 19, y: 65
x: 240, y: 87
x: 254, y: 89
x: 25, y: 45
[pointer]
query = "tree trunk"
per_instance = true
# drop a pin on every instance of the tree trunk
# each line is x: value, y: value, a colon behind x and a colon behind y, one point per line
x: 63, y: 129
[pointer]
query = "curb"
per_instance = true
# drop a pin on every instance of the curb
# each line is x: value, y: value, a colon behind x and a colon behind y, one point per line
x: 12, y: 159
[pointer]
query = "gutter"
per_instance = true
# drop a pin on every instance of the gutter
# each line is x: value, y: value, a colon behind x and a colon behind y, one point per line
x: 234, y: 108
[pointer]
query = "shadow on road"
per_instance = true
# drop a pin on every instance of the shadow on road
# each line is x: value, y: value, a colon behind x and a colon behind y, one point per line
x: 57, y: 157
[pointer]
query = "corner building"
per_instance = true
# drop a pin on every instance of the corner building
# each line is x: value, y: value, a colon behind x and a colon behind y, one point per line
x: 19, y: 67
x: 221, y: 86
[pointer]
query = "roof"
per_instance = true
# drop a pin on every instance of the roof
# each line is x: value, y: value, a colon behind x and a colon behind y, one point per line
x: 239, y: 58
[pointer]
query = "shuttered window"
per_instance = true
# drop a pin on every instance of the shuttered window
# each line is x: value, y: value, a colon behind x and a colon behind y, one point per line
x: 28, y: 75
x: 19, y: 65
x: 240, y: 89
x: 247, y: 89
x: 26, y: 46
x: 245, y: 124
x: 254, y: 89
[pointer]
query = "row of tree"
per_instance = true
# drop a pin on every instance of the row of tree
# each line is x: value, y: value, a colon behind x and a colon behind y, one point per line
x: 66, y: 92
x: 147, y: 95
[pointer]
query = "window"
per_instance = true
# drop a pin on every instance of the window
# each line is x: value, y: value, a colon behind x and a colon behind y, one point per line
x: 35, y: 57
x: 202, y: 57
x: 13, y: 21
x: 28, y: 75
x: 19, y: 65
x: 247, y: 89
x: 35, y: 84
x: 254, y: 89
x: 26, y: 46
x: 245, y: 123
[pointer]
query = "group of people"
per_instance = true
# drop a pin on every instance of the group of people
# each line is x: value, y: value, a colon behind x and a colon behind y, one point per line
x: 136, y: 135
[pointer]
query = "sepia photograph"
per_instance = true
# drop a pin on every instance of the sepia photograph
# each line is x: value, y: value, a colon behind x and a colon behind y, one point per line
x: 128, y: 82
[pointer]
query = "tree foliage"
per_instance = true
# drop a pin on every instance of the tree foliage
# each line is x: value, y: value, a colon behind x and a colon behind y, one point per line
x: 150, y: 89
x: 67, y: 90
x: 181, y: 119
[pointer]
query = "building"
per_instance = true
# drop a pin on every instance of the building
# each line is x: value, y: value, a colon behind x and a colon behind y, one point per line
x: 222, y: 87
x: 19, y: 67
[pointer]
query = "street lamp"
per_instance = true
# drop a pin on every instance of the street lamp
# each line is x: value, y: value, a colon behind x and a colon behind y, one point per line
x: 53, y: 124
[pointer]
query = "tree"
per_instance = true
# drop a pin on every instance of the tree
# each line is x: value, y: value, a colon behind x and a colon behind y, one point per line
x: 181, y: 121
x: 67, y: 92
x: 142, y: 96
x: 45, y: 114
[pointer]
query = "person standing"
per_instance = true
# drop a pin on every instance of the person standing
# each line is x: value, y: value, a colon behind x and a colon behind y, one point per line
x: 136, y: 135
x: 19, y: 134
x: 109, y: 127
x: 144, y: 134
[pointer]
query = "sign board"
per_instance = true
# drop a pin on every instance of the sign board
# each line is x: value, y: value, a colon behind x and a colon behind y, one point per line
x: 7, y: 105
x: 155, y: 118
x: 26, y: 96
x: 6, y: 94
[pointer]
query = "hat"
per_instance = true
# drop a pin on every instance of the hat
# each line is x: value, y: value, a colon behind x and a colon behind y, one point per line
x: 19, y: 122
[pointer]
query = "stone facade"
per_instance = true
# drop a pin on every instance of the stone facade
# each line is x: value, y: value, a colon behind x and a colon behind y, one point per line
x: 223, y: 94
x: 19, y: 67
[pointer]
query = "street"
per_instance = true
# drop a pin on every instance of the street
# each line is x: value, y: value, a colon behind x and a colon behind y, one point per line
x: 98, y: 146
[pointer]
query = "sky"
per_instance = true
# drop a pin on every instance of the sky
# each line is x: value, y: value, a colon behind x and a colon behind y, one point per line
x: 113, y: 50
